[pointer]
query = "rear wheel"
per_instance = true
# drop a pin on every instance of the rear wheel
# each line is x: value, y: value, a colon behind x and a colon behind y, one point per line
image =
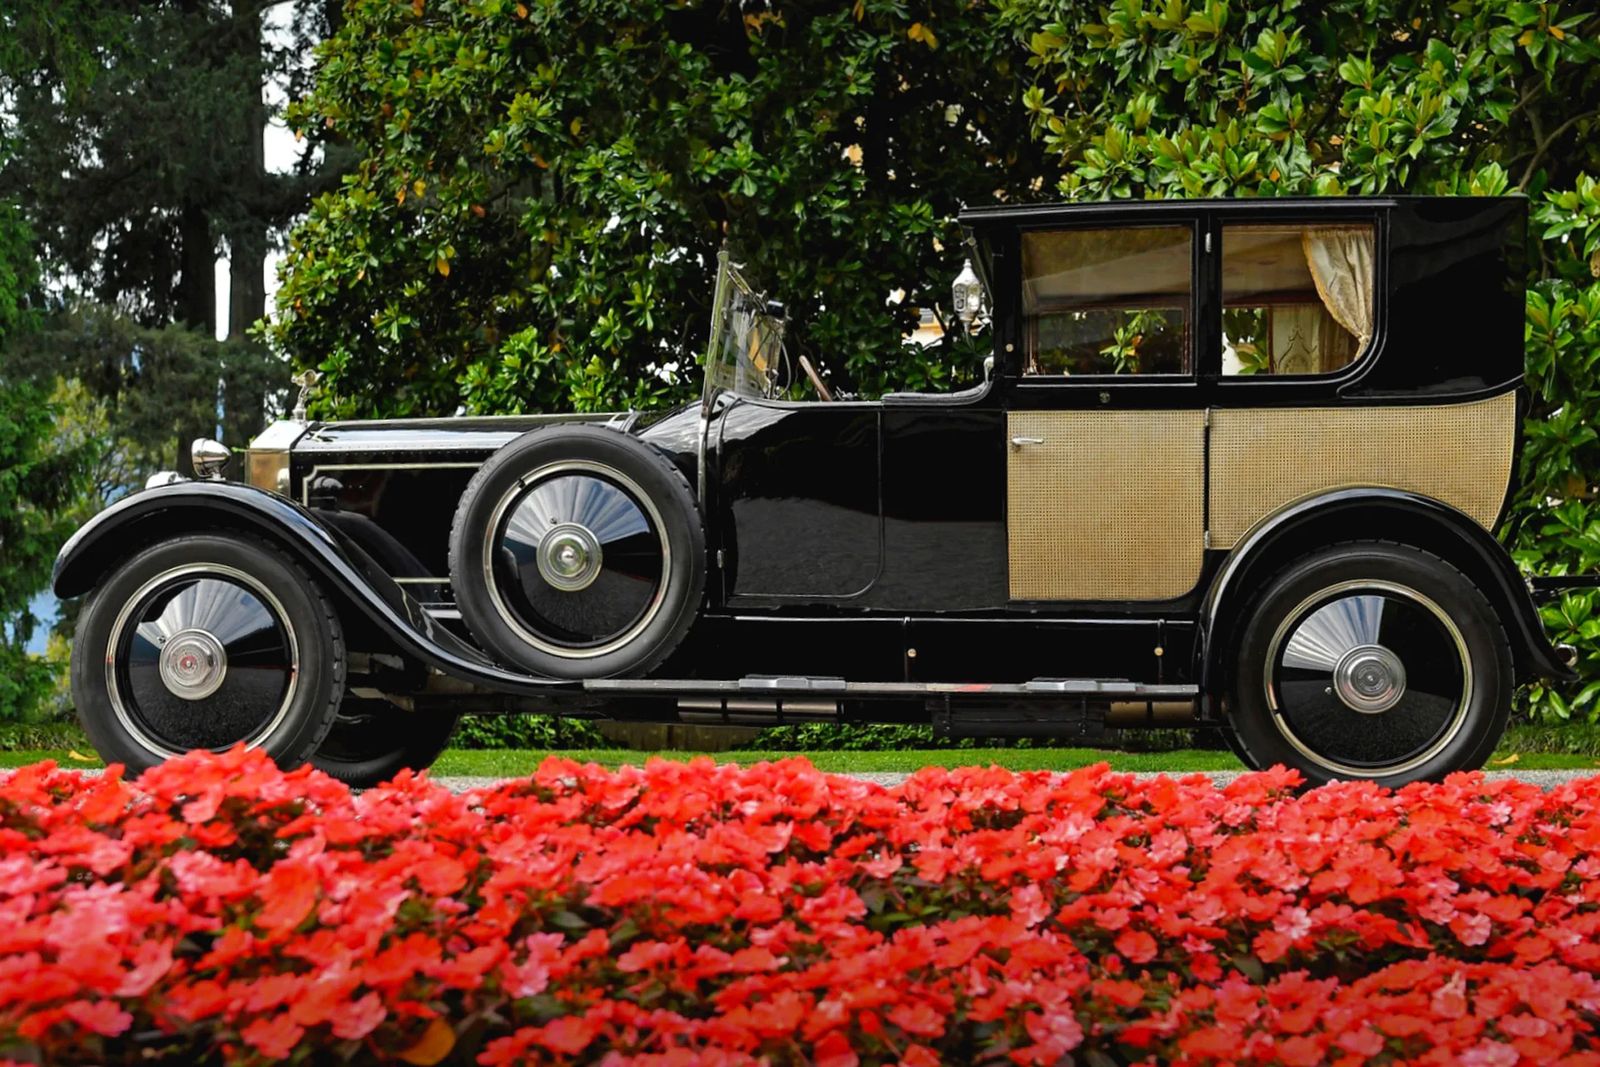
x: 372, y: 741
x: 1375, y: 661
x: 206, y: 642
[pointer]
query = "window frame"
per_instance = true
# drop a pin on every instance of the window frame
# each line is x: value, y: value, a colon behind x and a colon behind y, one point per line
x: 1262, y: 214
x: 1195, y: 327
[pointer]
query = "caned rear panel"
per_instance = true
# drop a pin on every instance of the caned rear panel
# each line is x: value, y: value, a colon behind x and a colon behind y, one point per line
x: 1108, y: 507
x: 1264, y: 458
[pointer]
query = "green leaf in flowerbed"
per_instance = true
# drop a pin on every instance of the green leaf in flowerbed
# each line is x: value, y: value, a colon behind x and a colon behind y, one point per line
x: 223, y: 911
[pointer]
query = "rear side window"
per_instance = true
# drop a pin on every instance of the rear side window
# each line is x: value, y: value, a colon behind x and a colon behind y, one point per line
x: 1107, y: 301
x: 1296, y: 298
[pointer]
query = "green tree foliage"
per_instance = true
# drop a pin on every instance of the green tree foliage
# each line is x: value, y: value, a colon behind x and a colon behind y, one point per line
x: 545, y: 186
x: 148, y: 390
x: 1218, y: 98
x: 42, y: 481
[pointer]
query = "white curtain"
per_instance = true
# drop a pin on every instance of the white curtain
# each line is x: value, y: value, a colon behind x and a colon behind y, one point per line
x: 1340, y: 258
x: 1305, y: 340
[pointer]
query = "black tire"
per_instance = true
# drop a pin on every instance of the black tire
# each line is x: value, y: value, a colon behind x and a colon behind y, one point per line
x: 372, y: 741
x: 258, y: 643
x: 1371, y: 660
x: 1230, y: 737
x: 544, y: 592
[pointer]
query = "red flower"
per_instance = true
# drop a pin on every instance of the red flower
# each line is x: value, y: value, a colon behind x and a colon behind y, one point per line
x: 569, y: 1034
x: 715, y: 914
x: 273, y: 1036
x: 1137, y: 946
x: 100, y: 1016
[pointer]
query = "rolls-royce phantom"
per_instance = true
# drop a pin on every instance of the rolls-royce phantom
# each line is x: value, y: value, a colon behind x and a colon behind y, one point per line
x: 1229, y: 463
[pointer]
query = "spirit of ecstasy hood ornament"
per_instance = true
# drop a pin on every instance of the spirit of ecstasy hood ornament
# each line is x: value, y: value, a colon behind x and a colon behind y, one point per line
x: 307, y: 381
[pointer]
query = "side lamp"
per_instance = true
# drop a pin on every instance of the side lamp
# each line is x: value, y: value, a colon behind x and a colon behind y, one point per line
x: 966, y: 295
x: 208, y: 458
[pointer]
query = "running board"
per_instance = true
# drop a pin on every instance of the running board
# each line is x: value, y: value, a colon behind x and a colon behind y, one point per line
x: 1044, y: 688
x: 1063, y: 707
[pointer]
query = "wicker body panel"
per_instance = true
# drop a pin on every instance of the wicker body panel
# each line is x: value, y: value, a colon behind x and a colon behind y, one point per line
x: 1110, y: 506
x: 1264, y: 458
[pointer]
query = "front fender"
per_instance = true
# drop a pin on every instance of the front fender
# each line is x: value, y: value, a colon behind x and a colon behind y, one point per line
x: 1371, y: 514
x: 343, y: 569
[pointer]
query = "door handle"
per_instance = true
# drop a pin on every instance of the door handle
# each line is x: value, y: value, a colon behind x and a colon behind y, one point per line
x: 1018, y: 442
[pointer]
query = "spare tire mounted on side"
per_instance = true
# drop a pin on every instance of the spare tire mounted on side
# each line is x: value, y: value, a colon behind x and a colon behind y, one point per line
x: 578, y: 552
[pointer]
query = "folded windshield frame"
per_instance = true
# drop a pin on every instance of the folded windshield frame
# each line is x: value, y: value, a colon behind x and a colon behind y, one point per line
x: 745, y: 348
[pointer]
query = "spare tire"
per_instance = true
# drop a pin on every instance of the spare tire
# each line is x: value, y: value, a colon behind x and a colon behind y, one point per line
x: 578, y: 552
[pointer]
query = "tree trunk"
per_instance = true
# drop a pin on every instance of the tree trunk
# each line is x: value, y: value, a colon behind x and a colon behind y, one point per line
x: 244, y: 401
x: 197, y: 299
x: 197, y: 280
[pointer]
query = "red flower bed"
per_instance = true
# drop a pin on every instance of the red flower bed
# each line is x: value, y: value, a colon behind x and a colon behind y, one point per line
x: 224, y: 911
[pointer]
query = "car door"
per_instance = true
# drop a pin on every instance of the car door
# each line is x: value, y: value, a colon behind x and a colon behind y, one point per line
x: 1105, y: 432
x: 798, y: 495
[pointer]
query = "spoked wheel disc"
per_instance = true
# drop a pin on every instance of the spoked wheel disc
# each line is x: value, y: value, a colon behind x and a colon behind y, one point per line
x: 579, y: 559
x: 1368, y: 679
x: 201, y: 657
x: 578, y: 552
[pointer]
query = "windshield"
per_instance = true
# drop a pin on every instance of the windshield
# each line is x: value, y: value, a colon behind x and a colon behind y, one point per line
x: 744, y: 353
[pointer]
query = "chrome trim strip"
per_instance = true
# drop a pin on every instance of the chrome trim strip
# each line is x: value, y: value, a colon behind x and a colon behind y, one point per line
x: 486, y: 444
x: 458, y: 421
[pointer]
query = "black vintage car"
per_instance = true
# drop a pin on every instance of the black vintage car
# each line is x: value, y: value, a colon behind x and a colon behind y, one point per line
x: 1233, y: 463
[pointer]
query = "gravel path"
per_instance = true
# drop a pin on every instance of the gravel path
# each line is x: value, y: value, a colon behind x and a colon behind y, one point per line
x: 1545, y: 779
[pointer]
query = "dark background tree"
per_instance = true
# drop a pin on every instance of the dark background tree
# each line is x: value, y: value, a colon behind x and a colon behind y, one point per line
x: 135, y: 133
x: 43, y: 475
x: 131, y: 143
x: 545, y: 186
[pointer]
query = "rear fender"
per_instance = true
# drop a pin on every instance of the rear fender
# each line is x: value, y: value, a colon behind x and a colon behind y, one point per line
x: 346, y: 572
x: 1370, y: 514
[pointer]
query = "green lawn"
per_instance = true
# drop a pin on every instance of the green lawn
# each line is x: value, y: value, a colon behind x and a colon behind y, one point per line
x: 512, y: 762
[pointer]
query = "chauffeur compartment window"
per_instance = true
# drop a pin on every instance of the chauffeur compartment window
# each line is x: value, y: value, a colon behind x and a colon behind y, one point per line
x: 1108, y: 301
x: 1296, y: 299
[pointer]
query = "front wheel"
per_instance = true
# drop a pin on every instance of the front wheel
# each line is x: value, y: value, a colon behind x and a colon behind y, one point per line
x: 206, y: 642
x: 1371, y: 660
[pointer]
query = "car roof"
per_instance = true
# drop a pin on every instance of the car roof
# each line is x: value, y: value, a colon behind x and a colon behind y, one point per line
x: 1064, y: 210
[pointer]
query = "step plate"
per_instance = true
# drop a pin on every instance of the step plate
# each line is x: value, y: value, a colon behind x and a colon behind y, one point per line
x: 1041, y: 689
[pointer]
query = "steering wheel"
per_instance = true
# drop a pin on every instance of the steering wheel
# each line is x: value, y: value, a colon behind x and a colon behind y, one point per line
x: 816, y: 380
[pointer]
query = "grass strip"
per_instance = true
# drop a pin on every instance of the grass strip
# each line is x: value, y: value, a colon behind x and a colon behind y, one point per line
x: 510, y: 763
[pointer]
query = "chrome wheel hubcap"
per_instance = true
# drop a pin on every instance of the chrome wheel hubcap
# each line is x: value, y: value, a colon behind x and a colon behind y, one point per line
x: 201, y: 656
x: 578, y: 559
x: 1369, y: 679
x: 193, y: 664
x: 570, y: 557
